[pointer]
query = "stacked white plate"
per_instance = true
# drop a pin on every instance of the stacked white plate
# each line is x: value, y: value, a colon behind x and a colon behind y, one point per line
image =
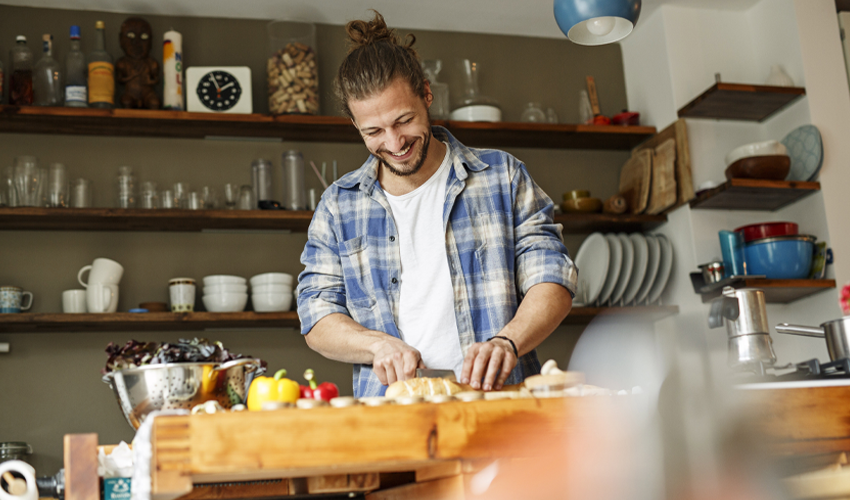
x: 271, y: 292
x: 223, y: 293
x: 621, y: 269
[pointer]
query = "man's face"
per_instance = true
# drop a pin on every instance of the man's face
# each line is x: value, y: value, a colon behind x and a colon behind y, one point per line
x: 395, y: 126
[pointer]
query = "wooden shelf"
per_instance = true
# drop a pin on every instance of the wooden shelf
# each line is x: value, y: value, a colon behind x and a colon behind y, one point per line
x: 166, y: 321
x: 118, y: 219
x: 733, y: 101
x: 301, y: 128
x: 778, y: 291
x: 754, y: 194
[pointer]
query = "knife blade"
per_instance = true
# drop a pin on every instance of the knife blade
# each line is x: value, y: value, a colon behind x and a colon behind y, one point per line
x: 427, y: 372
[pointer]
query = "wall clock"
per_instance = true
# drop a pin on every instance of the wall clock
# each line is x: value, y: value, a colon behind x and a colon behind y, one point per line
x: 218, y: 89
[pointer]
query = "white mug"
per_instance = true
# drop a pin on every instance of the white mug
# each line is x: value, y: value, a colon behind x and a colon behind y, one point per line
x: 74, y: 301
x: 103, y: 272
x: 102, y: 298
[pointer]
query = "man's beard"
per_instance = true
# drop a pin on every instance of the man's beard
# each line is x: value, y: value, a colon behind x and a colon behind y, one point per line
x: 418, y: 162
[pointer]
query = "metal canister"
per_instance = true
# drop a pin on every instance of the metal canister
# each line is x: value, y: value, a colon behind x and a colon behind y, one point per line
x: 261, y: 177
x: 294, y: 192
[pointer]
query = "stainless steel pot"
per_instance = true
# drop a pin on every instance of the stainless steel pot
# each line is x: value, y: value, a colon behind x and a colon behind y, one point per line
x: 835, y: 332
x: 171, y: 386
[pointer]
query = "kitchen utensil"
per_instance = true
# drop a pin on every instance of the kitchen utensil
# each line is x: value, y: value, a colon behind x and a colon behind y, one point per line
x: 12, y: 299
x: 231, y: 196
x: 181, y: 194
x: 625, y: 269
x: 224, y: 279
x: 766, y: 230
x: 743, y: 310
x: 663, y: 192
x: 732, y: 249
x: 836, y: 333
x: 473, y: 105
x: 225, y: 302
x: 821, y: 257
x: 431, y: 373
x: 533, y: 113
x: 626, y: 118
x: 271, y: 301
x: 154, y: 306
x: 598, y: 119
x: 272, y: 279
x: 592, y: 261
x: 712, y: 272
x: 294, y: 190
x: 210, y: 197
x: 312, y: 199
x: 585, y: 110
x: 575, y: 194
x: 635, y: 178
x: 764, y: 148
x: 125, y: 184
x: 582, y: 205
x: 29, y: 181
x: 101, y: 298
x: 166, y: 199
x: 230, y: 288
x: 149, y: 196
x: 81, y: 194
x: 293, y: 49
x: 74, y: 301
x: 664, y: 268
x: 57, y: 183
x: 615, y: 263
x: 195, y: 201
x: 182, y: 294
x: 805, y: 147
x: 102, y: 271
x: 170, y: 386
x: 247, y: 200
x: 639, y: 267
x: 780, y: 257
x: 19, y: 489
x: 477, y: 113
x: 773, y: 167
x: 653, y: 260
x: 615, y: 205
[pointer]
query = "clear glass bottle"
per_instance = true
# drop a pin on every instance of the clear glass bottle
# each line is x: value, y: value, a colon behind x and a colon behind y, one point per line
x: 471, y: 95
x: 125, y: 193
x: 76, y: 95
x: 101, y: 72
x: 47, y: 78
x: 440, y: 108
x: 295, y: 193
x: 20, y: 93
x: 293, y: 68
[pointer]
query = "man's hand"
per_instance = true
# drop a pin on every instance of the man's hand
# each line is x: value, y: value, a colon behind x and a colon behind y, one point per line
x: 492, y: 361
x: 394, y: 360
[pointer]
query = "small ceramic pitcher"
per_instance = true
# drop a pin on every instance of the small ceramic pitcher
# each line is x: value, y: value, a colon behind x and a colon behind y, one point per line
x: 11, y: 298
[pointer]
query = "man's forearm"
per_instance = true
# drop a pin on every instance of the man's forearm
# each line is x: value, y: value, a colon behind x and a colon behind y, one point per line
x: 338, y: 337
x: 544, y: 308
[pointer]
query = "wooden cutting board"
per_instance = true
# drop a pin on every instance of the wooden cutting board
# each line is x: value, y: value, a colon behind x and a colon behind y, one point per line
x: 677, y: 131
x: 663, y: 191
x: 635, y: 179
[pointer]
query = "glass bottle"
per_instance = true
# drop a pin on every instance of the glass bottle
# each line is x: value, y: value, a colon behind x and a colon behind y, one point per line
x: 125, y: 188
x: 76, y: 95
x: 294, y: 192
x: 47, y: 79
x: 471, y: 95
x: 20, y: 93
x: 101, y: 72
x: 440, y: 108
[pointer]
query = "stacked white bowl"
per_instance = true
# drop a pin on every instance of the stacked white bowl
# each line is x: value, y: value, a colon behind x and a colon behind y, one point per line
x: 223, y: 293
x: 271, y: 292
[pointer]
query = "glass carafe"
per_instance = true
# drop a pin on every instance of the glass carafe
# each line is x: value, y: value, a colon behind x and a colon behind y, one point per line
x: 440, y: 108
x: 471, y: 95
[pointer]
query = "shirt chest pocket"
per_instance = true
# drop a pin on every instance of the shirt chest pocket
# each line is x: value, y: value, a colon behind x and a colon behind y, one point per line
x: 357, y: 271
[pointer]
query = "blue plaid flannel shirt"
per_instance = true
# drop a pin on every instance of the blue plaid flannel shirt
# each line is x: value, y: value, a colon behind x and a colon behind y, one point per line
x: 500, y: 241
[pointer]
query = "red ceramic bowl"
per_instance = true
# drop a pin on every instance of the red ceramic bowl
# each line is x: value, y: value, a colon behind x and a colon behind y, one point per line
x: 767, y: 230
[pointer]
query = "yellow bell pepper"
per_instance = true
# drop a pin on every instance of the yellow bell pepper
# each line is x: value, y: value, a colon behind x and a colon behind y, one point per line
x: 275, y: 388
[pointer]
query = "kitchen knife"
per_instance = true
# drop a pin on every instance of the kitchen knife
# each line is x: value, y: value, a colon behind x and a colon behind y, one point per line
x: 426, y: 372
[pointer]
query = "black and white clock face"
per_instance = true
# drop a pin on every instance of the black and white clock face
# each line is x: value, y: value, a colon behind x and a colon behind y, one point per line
x: 219, y: 90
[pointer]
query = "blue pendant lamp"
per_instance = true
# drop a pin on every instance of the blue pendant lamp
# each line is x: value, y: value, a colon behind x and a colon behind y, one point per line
x: 596, y: 22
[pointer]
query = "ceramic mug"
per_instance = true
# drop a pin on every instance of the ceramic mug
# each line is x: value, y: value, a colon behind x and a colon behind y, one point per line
x: 102, y: 298
x: 182, y: 293
x: 103, y: 272
x: 11, y: 299
x: 74, y: 301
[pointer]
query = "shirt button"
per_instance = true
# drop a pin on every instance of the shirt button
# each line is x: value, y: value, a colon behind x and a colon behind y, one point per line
x: 394, y: 281
x: 392, y: 238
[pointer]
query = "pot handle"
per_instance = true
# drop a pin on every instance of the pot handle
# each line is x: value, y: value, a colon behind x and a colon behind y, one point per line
x: 805, y: 331
x: 250, y: 364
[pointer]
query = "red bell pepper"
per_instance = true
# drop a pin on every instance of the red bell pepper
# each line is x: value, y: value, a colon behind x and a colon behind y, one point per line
x: 324, y: 391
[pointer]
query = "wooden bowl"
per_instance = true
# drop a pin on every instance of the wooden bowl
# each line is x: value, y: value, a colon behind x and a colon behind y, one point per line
x: 576, y: 194
x: 582, y: 205
x: 772, y: 167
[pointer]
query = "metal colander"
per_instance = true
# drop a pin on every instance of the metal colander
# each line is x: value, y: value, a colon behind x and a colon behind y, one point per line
x: 180, y: 386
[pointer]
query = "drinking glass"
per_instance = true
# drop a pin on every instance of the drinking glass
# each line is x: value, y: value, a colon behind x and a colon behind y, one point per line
x: 209, y: 196
x: 8, y: 186
x: 57, y: 180
x: 150, y: 196
x: 195, y: 201
x: 231, y: 196
x: 28, y: 181
x: 167, y: 199
x: 81, y: 193
x: 181, y: 195
x: 126, y: 188
x: 246, y: 198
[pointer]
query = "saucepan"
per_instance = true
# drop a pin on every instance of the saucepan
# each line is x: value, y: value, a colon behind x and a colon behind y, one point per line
x: 836, y: 333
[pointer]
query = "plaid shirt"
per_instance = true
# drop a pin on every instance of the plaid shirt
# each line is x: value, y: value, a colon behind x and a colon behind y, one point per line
x: 500, y: 241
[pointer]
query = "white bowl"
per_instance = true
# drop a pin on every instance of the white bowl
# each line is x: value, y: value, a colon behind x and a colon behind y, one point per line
x: 271, y: 302
x: 765, y: 148
x: 272, y: 279
x: 223, y: 279
x: 271, y: 289
x: 225, y: 302
x: 477, y: 113
x: 211, y: 289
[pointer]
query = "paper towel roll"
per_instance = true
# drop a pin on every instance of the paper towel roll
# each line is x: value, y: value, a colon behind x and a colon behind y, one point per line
x: 172, y: 63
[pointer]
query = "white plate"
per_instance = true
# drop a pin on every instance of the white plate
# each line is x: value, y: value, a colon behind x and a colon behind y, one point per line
x: 615, y: 249
x: 639, y: 267
x: 592, y: 263
x: 663, y: 269
x: 625, y: 269
x: 651, y: 268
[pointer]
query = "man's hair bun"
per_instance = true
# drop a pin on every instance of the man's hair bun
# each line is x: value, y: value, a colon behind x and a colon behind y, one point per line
x: 362, y: 33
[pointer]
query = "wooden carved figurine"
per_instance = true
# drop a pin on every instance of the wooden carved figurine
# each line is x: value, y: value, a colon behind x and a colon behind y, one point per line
x: 137, y: 70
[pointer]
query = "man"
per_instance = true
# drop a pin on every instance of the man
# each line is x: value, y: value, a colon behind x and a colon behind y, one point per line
x: 431, y: 254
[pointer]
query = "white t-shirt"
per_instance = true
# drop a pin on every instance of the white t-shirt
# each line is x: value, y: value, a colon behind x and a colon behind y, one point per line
x: 426, y: 317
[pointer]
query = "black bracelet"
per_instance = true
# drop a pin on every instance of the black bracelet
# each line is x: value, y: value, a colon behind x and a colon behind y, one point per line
x: 516, y: 353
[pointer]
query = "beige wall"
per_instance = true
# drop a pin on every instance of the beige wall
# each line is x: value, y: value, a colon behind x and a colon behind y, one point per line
x: 51, y: 382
